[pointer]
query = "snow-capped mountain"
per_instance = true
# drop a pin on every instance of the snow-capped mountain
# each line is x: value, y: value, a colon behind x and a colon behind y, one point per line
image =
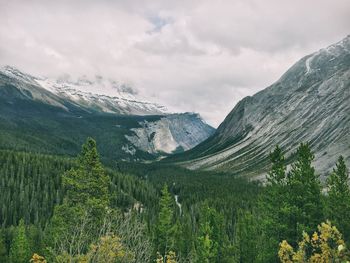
x: 83, y: 93
x: 36, y: 111
x: 309, y: 103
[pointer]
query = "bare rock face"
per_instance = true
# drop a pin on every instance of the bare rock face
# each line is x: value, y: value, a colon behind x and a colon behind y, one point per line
x: 309, y: 103
x: 171, y: 133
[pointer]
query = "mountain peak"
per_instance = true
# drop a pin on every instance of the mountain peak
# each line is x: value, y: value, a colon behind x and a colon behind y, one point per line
x: 309, y: 103
x: 98, y: 94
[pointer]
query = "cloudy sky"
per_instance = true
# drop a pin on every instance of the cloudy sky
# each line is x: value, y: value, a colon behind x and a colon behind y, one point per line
x: 189, y: 55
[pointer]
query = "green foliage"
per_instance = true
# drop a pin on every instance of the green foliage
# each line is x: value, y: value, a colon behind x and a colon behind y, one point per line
x: 273, y: 206
x: 277, y: 174
x: 209, y: 236
x: 40, y: 128
x: 164, y: 230
x: 3, y: 250
x: 30, y: 186
x: 20, y: 250
x: 87, y: 184
x: 246, y: 242
x: 86, y: 199
x: 338, y: 205
x: 109, y: 249
x: 222, y: 219
x: 304, y: 195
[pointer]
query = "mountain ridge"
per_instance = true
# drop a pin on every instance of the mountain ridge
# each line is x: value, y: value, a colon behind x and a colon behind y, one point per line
x: 47, y: 119
x: 309, y: 103
x: 80, y: 93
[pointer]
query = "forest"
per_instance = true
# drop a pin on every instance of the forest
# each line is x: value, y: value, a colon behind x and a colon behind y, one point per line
x: 59, y: 209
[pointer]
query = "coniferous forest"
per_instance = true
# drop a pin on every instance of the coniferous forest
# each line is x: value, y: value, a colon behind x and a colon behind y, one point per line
x: 59, y: 209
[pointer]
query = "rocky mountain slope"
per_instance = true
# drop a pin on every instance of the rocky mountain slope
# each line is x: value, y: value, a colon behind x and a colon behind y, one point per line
x: 309, y: 103
x: 82, y: 93
x: 56, y: 116
x: 171, y: 133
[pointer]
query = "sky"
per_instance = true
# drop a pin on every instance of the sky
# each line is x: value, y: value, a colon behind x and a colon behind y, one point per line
x: 189, y: 55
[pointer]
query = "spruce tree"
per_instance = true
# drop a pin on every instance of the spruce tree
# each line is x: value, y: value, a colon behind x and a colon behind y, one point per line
x: 87, y: 185
x: 246, y: 238
x: 164, y: 230
x: 273, y: 206
x: 304, y: 195
x: 212, y: 240
x: 85, y: 203
x: 3, y: 250
x: 20, y: 250
x: 338, y: 203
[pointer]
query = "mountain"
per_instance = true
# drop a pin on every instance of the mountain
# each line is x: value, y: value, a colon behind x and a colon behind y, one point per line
x: 56, y: 116
x: 309, y: 103
x: 171, y: 133
x: 81, y: 93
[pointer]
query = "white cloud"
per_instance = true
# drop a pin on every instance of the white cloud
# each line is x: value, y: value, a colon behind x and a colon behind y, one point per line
x: 199, y: 56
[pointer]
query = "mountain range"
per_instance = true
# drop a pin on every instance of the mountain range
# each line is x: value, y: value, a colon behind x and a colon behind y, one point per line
x: 56, y: 116
x: 309, y: 103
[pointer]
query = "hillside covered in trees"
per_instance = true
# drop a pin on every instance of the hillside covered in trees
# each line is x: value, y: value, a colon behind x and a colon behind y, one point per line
x: 78, y: 210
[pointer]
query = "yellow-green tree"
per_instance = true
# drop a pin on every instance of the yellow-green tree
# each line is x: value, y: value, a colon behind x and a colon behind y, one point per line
x: 325, y: 245
x: 37, y: 259
x: 20, y: 250
x: 170, y: 258
x: 109, y: 249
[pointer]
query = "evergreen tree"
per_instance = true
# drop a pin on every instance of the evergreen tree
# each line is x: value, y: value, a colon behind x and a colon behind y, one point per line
x: 164, y: 230
x: 76, y: 222
x: 87, y: 185
x: 246, y: 239
x: 3, y: 250
x: 277, y: 174
x: 304, y: 206
x: 211, y: 241
x: 338, y: 205
x: 20, y: 250
x: 273, y: 206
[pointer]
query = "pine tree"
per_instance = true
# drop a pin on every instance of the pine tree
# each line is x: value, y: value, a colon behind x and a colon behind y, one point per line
x: 20, y: 250
x: 273, y: 206
x: 88, y: 184
x: 164, y: 230
x: 277, y: 174
x: 338, y: 203
x: 76, y: 222
x: 212, y: 240
x: 304, y: 195
x: 3, y: 251
x: 246, y: 239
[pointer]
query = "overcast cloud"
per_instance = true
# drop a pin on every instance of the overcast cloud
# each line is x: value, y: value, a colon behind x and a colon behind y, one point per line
x: 188, y: 55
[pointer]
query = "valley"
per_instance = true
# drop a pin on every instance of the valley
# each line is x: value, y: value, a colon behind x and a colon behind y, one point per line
x: 97, y: 177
